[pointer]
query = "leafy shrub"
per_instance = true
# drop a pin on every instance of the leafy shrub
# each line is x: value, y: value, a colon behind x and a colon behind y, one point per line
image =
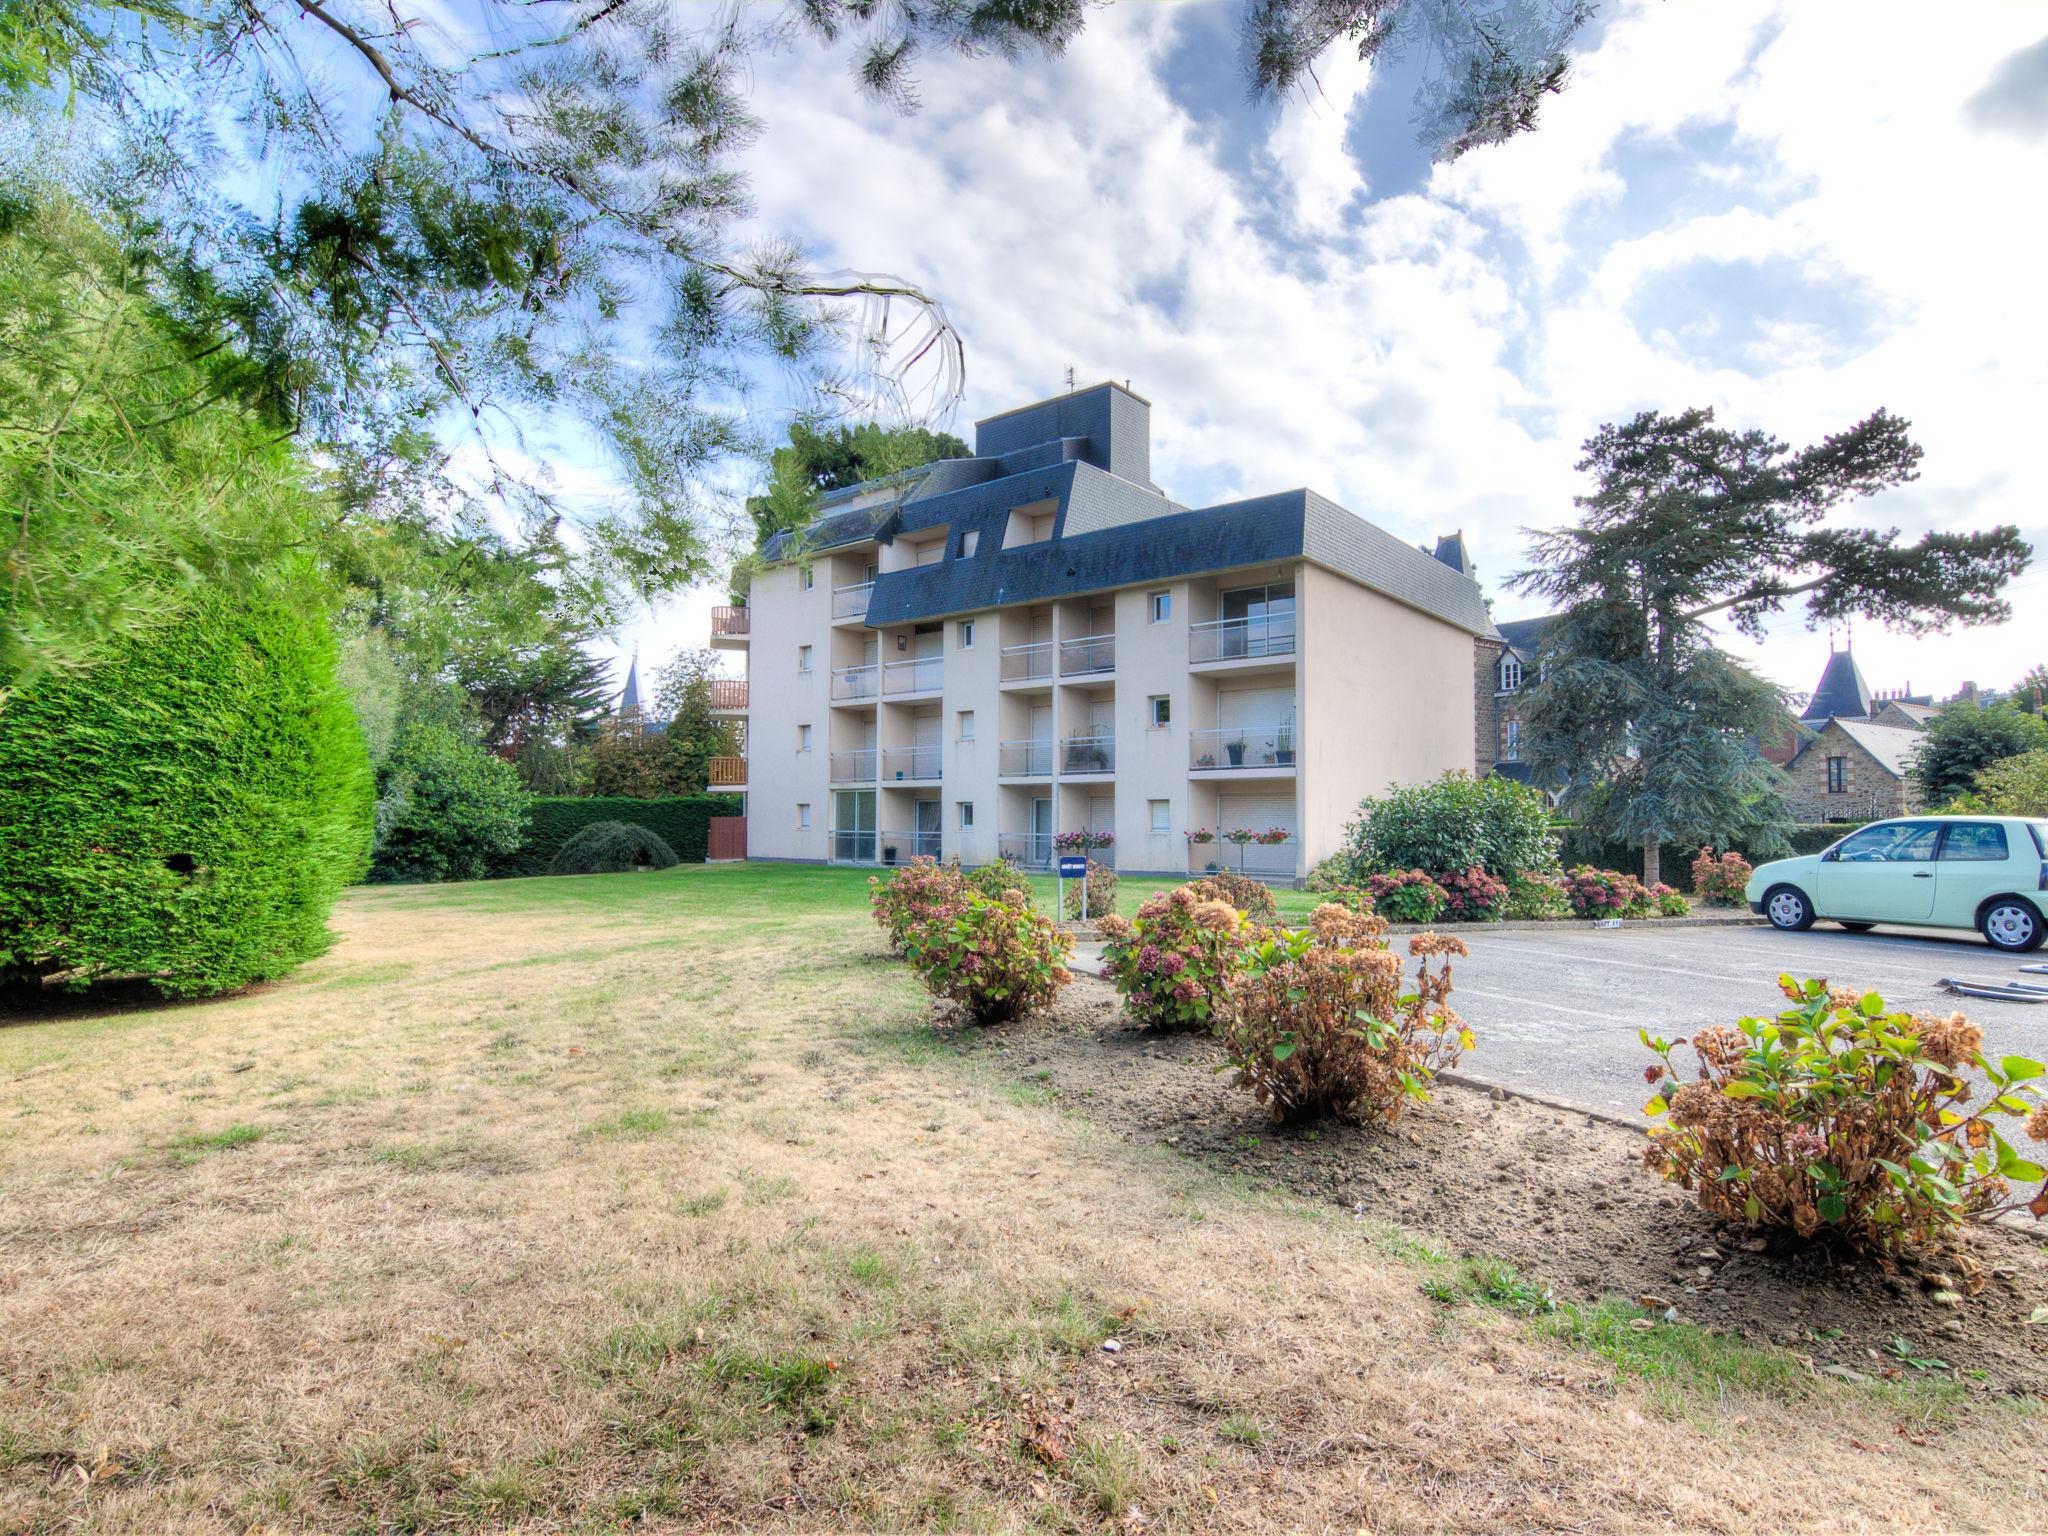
x: 1473, y: 896
x: 922, y: 891
x: 1455, y: 822
x: 610, y: 847
x: 1173, y: 964
x: 1101, y: 893
x: 1251, y: 897
x: 1839, y: 1116
x: 551, y: 820
x: 1409, y: 898
x: 1719, y: 882
x: 186, y: 811
x: 1605, y: 893
x: 446, y: 806
x: 996, y: 959
x: 1317, y: 1024
x: 2014, y: 786
x: 1667, y: 902
x: 1536, y: 898
x: 1330, y: 874
x: 1004, y: 882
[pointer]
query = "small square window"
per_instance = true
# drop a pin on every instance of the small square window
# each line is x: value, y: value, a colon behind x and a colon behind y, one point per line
x: 1162, y: 607
x: 803, y: 658
x: 803, y: 816
x: 803, y: 738
x: 1162, y: 815
x: 967, y: 725
x: 969, y: 542
x: 1162, y: 710
x: 966, y: 808
x: 967, y: 634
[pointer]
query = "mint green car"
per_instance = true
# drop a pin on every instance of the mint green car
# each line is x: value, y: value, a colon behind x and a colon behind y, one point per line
x: 1989, y: 873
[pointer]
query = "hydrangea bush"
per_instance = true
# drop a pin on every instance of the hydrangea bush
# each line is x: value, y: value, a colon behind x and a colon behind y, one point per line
x: 1473, y: 896
x: 1536, y: 898
x: 1101, y: 893
x: 1605, y: 893
x: 997, y: 959
x: 1406, y: 898
x: 1719, y: 880
x: 922, y: 891
x: 1668, y: 901
x: 1844, y: 1117
x: 1318, y: 1025
x: 1174, y: 961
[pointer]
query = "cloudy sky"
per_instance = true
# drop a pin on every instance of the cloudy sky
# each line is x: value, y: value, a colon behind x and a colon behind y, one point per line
x: 1793, y: 214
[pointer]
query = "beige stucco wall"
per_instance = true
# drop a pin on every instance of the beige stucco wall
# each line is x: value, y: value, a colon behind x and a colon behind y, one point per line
x: 779, y: 698
x: 1386, y: 698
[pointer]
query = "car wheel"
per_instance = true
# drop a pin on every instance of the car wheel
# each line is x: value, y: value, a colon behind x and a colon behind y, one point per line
x: 1788, y: 909
x: 2012, y: 925
x: 1859, y: 927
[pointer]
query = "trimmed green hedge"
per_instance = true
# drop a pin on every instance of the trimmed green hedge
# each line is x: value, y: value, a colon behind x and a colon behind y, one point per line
x: 683, y: 823
x: 186, y: 811
x: 1576, y: 848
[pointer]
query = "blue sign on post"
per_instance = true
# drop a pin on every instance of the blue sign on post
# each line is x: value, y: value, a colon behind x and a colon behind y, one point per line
x: 1073, y: 866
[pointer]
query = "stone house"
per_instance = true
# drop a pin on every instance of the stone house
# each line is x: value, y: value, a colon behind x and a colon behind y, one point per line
x: 1854, y: 770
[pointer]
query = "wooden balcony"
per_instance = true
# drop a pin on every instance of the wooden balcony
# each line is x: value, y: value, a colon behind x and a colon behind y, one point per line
x: 729, y: 626
x: 728, y: 773
x: 729, y: 695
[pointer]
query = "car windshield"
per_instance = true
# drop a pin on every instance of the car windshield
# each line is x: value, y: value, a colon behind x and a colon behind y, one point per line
x: 1896, y: 842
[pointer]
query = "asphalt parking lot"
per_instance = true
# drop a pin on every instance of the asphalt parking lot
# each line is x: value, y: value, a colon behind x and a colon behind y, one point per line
x: 1556, y: 1011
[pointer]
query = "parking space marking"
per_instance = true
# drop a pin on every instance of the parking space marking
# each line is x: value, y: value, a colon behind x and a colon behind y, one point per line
x: 1535, y: 1002
x: 1631, y: 965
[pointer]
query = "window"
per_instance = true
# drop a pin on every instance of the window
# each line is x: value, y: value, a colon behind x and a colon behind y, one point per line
x: 803, y: 738
x: 1162, y: 710
x: 803, y: 816
x: 1511, y: 741
x: 1838, y: 775
x: 1890, y: 842
x: 970, y: 541
x: 967, y: 634
x: 966, y: 808
x: 1510, y: 675
x: 809, y: 577
x: 1975, y: 842
x: 803, y: 658
x: 1162, y: 607
x: 967, y: 725
x: 1162, y: 815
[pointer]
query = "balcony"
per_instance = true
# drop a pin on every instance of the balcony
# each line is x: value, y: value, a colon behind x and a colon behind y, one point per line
x: 1031, y: 759
x: 851, y: 601
x: 729, y: 626
x: 1241, y: 639
x: 912, y: 763
x: 1026, y: 850
x: 1088, y: 755
x: 1241, y: 749
x: 728, y: 773
x: 1027, y: 663
x: 728, y: 695
x: 1087, y: 655
x: 909, y: 845
x: 921, y: 674
x: 854, y: 767
x: 853, y: 847
x: 1265, y: 861
x: 852, y: 683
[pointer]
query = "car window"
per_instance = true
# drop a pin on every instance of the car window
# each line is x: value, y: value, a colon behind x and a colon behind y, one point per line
x: 1974, y: 841
x: 1896, y: 842
x: 2040, y: 831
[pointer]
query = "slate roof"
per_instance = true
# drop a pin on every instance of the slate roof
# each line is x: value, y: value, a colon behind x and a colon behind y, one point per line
x: 1525, y: 636
x: 1892, y: 746
x: 1841, y: 693
x: 1452, y: 551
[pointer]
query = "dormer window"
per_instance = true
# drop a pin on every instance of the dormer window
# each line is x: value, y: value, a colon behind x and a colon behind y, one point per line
x: 1510, y: 675
x: 1031, y: 524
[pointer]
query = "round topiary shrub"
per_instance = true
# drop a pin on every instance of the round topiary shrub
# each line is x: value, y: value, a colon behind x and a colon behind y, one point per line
x: 610, y: 848
x: 186, y: 811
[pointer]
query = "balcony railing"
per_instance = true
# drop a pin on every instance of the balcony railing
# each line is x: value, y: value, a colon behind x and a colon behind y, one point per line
x: 728, y: 621
x: 1027, y: 850
x: 1086, y: 654
x: 853, y: 847
x: 1269, y: 861
x: 1088, y: 754
x: 910, y: 845
x: 1241, y: 746
x: 1027, y: 663
x: 728, y: 693
x: 854, y: 767
x: 856, y: 682
x: 1240, y: 639
x: 728, y: 772
x: 912, y: 762
x: 851, y: 601
x: 921, y: 674
x: 1031, y: 759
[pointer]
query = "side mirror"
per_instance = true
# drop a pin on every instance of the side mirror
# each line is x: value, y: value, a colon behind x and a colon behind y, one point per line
x: 1831, y: 857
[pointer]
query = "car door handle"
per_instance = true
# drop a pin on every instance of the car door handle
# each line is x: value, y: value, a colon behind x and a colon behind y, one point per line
x: 1923, y: 874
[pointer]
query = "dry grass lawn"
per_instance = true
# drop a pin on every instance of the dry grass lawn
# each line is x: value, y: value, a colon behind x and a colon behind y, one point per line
x: 651, y: 1202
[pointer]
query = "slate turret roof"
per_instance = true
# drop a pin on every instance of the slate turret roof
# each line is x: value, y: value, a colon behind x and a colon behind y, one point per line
x: 1841, y: 694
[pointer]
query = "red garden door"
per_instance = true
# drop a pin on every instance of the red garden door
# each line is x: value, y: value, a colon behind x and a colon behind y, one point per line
x: 728, y: 839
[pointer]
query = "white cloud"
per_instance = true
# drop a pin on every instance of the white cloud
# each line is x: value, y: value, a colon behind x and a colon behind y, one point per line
x: 1433, y: 360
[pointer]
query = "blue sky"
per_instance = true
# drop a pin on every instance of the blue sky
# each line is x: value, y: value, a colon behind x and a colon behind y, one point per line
x: 1786, y: 213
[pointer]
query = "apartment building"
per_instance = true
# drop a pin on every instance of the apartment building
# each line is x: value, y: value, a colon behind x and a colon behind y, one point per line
x: 978, y: 655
